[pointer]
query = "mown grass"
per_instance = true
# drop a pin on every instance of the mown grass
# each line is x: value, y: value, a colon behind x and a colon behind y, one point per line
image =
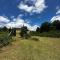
x: 21, y: 49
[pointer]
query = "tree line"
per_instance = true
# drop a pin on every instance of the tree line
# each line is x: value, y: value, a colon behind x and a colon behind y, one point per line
x: 48, y: 29
x: 49, y: 26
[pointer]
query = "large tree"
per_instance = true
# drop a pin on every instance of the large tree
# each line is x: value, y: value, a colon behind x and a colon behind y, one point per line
x: 4, y: 28
x: 45, y: 27
x: 38, y: 29
x: 23, y: 32
x: 56, y: 25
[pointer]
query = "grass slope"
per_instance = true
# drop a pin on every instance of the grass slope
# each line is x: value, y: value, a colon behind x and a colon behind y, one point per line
x: 22, y: 49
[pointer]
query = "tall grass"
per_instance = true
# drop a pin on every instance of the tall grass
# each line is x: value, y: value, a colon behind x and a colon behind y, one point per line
x: 4, y: 39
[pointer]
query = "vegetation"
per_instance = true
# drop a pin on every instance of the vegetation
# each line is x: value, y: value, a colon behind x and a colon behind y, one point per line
x: 3, y: 29
x: 5, y: 39
x: 22, y: 49
x: 35, y: 39
x: 24, y: 32
x: 13, y: 32
x: 48, y: 29
x: 45, y: 27
x: 6, y: 36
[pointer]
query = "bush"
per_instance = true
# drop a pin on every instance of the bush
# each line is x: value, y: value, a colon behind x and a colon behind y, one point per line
x: 5, y: 40
x: 25, y: 36
x: 24, y: 32
x: 33, y: 33
x: 53, y: 33
x: 35, y: 39
x: 14, y: 32
x: 3, y: 29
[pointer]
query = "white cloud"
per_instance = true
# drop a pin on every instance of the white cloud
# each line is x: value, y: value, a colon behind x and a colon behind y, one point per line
x: 57, y: 8
x: 39, y: 6
x: 55, y: 18
x: 32, y: 28
x: 2, y: 24
x: 25, y: 7
x: 58, y: 12
x: 4, y: 19
x: 21, y: 15
x: 16, y: 22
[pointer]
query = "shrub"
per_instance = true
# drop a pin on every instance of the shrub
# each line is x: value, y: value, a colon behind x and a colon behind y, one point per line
x: 45, y: 27
x: 35, y: 39
x: 14, y: 31
x: 5, y: 40
x: 54, y: 33
x: 24, y: 32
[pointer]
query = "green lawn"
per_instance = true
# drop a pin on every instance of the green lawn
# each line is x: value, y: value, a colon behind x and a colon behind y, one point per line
x: 22, y: 49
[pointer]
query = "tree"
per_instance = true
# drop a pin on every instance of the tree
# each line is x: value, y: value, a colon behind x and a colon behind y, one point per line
x: 56, y: 25
x: 23, y: 32
x: 38, y: 29
x: 12, y: 31
x: 4, y: 28
x: 45, y: 27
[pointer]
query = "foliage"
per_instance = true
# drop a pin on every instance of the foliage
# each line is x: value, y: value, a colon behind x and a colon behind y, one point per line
x: 38, y: 29
x: 35, y: 39
x: 56, y: 25
x: 53, y: 33
x: 5, y: 39
x: 34, y: 33
x: 12, y: 31
x: 48, y: 29
x: 23, y: 32
x: 3, y: 28
x: 45, y: 27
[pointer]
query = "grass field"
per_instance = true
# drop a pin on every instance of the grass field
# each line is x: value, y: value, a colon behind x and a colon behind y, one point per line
x: 21, y: 49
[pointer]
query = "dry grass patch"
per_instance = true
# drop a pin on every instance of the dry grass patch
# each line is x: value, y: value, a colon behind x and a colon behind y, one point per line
x: 22, y: 49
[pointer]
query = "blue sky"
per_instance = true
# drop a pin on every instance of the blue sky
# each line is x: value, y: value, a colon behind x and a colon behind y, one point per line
x: 34, y: 12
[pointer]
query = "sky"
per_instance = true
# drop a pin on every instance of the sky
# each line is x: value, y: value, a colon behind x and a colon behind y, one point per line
x: 31, y: 13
